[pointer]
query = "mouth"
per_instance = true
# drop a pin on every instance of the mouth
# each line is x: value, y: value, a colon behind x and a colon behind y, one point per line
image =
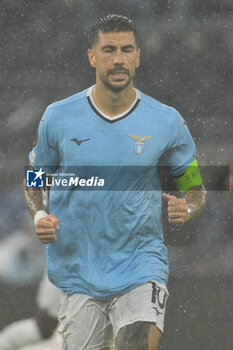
x: 119, y: 75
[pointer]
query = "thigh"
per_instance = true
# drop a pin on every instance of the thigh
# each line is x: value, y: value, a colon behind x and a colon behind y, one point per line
x: 138, y: 336
x: 83, y: 323
x: 144, y: 309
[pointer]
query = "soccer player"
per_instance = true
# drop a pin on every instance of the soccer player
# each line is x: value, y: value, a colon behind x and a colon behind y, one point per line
x: 42, y: 326
x: 105, y: 249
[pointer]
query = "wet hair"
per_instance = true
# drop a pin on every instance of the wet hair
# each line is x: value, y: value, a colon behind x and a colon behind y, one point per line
x: 112, y: 24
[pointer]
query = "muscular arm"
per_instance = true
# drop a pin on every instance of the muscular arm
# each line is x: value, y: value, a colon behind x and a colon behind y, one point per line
x: 196, y: 201
x: 46, y: 226
x: 35, y: 199
x: 181, y: 210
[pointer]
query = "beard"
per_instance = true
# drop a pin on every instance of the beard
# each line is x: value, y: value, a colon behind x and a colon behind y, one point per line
x: 116, y: 87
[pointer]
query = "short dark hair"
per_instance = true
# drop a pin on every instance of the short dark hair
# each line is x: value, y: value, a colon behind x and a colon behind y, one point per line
x: 112, y: 24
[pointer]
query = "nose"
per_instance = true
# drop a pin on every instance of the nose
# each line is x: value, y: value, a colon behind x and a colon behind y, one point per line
x: 118, y: 59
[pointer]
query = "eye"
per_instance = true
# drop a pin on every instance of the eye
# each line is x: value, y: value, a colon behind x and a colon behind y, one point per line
x: 108, y: 49
x: 128, y: 49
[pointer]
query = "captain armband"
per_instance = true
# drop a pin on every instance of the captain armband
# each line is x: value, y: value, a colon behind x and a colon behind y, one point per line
x: 190, y: 178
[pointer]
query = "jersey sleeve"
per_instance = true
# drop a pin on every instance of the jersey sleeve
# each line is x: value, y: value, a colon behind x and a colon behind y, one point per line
x: 181, y: 149
x: 44, y: 153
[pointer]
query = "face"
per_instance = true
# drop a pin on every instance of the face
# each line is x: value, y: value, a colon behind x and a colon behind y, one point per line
x: 115, y: 58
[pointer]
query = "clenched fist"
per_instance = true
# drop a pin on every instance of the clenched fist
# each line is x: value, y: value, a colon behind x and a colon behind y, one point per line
x: 177, y: 209
x: 46, y: 229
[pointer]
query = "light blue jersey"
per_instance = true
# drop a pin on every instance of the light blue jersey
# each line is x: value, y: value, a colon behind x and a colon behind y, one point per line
x: 110, y: 242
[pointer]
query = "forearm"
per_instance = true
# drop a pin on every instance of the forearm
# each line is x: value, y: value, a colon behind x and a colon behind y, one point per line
x: 36, y: 199
x: 181, y: 210
x: 37, y: 205
x: 196, y: 201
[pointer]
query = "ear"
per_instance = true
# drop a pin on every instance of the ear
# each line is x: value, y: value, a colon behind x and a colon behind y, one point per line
x: 138, y: 58
x: 91, y: 57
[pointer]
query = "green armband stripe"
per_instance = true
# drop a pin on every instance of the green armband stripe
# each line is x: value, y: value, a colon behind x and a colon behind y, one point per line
x: 190, y: 178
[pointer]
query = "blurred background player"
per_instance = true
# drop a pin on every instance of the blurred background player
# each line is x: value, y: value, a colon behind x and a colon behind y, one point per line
x: 42, y: 326
x: 22, y: 262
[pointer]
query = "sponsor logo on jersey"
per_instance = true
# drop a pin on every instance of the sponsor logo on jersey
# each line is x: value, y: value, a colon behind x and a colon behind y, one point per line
x: 78, y: 142
x: 139, y: 144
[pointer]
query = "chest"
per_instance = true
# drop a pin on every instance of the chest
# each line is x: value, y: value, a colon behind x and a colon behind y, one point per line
x: 115, y: 145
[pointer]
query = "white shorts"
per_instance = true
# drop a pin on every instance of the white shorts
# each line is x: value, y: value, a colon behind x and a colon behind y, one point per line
x: 90, y: 324
x: 48, y: 296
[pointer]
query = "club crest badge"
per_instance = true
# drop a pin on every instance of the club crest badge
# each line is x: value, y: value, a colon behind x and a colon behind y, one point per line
x: 139, y: 144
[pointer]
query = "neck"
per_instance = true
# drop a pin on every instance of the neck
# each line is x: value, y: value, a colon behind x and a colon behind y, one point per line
x: 111, y: 102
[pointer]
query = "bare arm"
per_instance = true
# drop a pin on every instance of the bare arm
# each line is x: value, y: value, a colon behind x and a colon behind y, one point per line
x: 36, y: 200
x: 196, y: 201
x: 181, y: 210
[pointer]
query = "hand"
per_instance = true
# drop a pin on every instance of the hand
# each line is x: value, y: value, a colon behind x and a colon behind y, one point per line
x: 177, y: 209
x: 46, y: 229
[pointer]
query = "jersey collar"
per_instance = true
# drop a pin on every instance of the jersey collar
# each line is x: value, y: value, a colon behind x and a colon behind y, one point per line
x: 116, y: 117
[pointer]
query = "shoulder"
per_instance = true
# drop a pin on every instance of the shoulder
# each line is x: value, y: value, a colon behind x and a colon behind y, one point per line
x: 57, y: 111
x: 67, y: 102
x: 159, y: 109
